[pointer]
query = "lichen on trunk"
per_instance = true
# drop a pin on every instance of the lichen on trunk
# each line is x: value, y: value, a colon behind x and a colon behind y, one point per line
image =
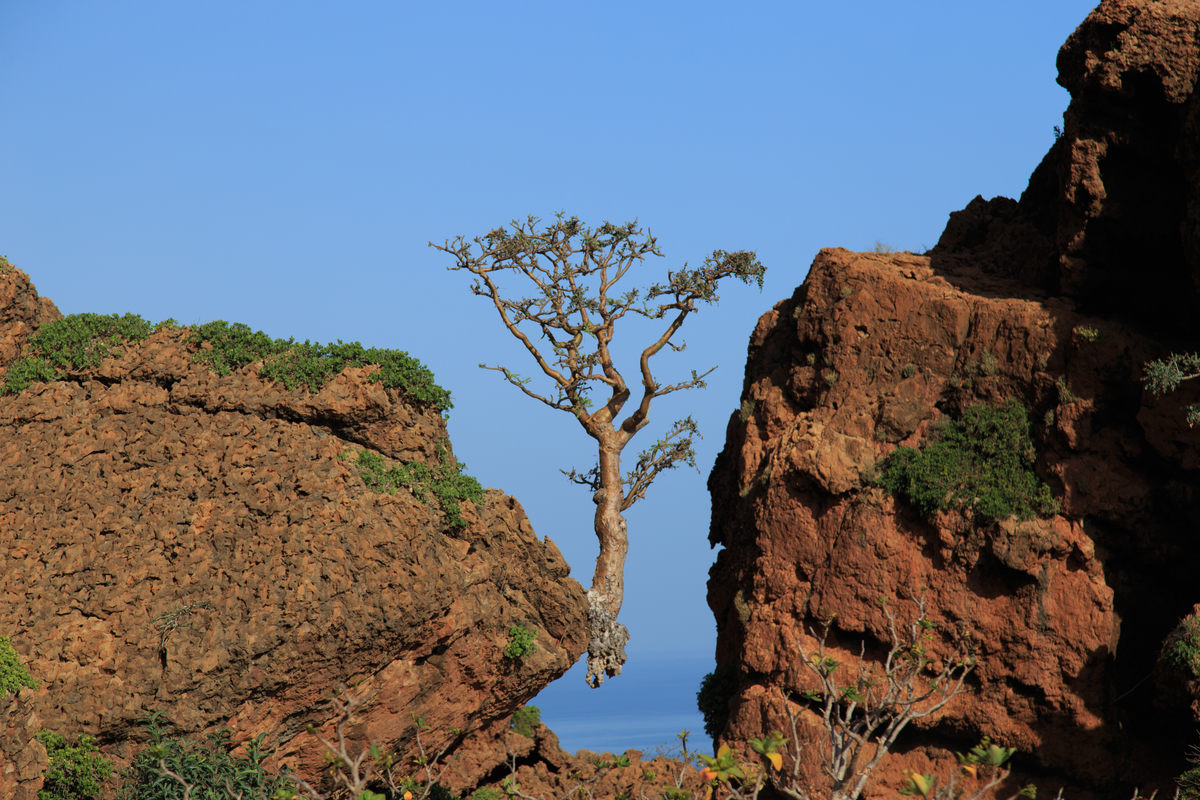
x: 606, y: 648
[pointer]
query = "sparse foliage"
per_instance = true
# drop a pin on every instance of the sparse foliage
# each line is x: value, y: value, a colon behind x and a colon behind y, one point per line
x: 171, y: 768
x: 81, y: 341
x: 1166, y: 374
x: 565, y: 317
x: 863, y: 711
x: 983, y: 764
x: 1188, y: 782
x: 445, y: 481
x: 1182, y: 647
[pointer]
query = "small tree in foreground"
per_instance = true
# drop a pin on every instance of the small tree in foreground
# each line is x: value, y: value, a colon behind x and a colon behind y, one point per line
x: 863, y: 710
x: 567, y: 323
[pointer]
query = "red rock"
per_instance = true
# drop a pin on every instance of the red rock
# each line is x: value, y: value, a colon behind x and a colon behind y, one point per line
x: 179, y: 541
x: 1069, y: 613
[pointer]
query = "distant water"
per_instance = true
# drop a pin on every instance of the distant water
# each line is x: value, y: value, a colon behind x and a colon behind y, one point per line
x: 642, y: 709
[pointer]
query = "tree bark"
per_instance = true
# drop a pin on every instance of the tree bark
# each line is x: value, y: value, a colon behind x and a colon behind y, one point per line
x: 606, y: 650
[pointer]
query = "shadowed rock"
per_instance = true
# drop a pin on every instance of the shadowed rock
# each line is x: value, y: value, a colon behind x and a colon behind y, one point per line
x: 1057, y: 300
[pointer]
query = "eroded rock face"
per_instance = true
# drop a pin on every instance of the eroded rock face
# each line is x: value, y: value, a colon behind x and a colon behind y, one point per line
x: 541, y: 768
x: 1057, y: 300
x: 200, y: 545
x: 1111, y: 217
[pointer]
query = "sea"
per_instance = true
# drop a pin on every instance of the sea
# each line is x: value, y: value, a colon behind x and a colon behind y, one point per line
x: 645, y: 708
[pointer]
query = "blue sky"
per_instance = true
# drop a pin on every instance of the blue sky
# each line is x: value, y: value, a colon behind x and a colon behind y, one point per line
x: 285, y: 164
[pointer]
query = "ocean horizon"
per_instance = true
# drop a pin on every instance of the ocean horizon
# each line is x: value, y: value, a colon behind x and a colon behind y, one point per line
x: 644, y: 708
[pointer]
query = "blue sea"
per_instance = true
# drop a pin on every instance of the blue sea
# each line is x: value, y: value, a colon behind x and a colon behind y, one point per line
x: 644, y: 708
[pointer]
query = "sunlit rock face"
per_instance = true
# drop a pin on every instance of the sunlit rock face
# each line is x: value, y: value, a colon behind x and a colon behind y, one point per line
x: 1057, y: 300
x: 176, y: 540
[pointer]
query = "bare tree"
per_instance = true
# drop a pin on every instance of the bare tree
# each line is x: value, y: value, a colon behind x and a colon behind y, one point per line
x: 567, y: 322
x: 863, y: 713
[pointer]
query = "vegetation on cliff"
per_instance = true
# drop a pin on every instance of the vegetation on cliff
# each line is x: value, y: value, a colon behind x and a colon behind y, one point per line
x: 13, y: 674
x: 227, y: 346
x: 81, y: 341
x: 444, y: 481
x: 73, y: 343
x: 1166, y: 374
x: 983, y: 461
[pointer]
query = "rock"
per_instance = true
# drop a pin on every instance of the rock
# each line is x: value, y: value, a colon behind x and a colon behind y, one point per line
x: 541, y: 768
x: 1057, y: 300
x: 196, y: 544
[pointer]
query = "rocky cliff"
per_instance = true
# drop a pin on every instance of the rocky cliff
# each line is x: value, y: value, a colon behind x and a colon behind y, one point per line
x: 210, y: 546
x: 1057, y: 300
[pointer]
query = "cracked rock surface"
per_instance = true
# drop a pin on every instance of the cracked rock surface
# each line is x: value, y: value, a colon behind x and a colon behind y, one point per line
x: 179, y: 541
x: 1058, y: 300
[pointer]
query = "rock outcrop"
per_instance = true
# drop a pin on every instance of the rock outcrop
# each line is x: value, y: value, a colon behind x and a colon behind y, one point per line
x: 176, y: 540
x: 1057, y: 300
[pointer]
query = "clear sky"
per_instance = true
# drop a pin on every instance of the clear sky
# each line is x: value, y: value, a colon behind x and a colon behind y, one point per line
x: 284, y: 164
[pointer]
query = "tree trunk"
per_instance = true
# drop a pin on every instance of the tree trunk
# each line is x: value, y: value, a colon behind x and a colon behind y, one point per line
x: 606, y: 651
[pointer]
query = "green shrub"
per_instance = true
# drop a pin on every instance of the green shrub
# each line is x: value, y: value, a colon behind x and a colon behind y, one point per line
x: 75, y: 342
x: 716, y: 690
x: 312, y: 365
x: 209, y: 768
x: 81, y: 341
x: 486, y: 793
x: 13, y: 674
x: 76, y: 772
x: 26, y: 371
x: 522, y: 642
x: 526, y: 719
x: 233, y: 345
x: 1188, y: 781
x: 1182, y: 648
x: 445, y: 481
x: 1165, y: 375
x: 983, y: 461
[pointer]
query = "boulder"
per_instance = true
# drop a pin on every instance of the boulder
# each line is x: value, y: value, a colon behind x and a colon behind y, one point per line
x: 204, y: 546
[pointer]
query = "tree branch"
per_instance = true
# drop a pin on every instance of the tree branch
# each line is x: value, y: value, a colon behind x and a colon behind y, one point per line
x: 669, y: 452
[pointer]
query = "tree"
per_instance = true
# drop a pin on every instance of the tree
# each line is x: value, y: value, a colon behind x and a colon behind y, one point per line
x: 567, y: 324
x: 864, y: 712
x: 1165, y: 375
